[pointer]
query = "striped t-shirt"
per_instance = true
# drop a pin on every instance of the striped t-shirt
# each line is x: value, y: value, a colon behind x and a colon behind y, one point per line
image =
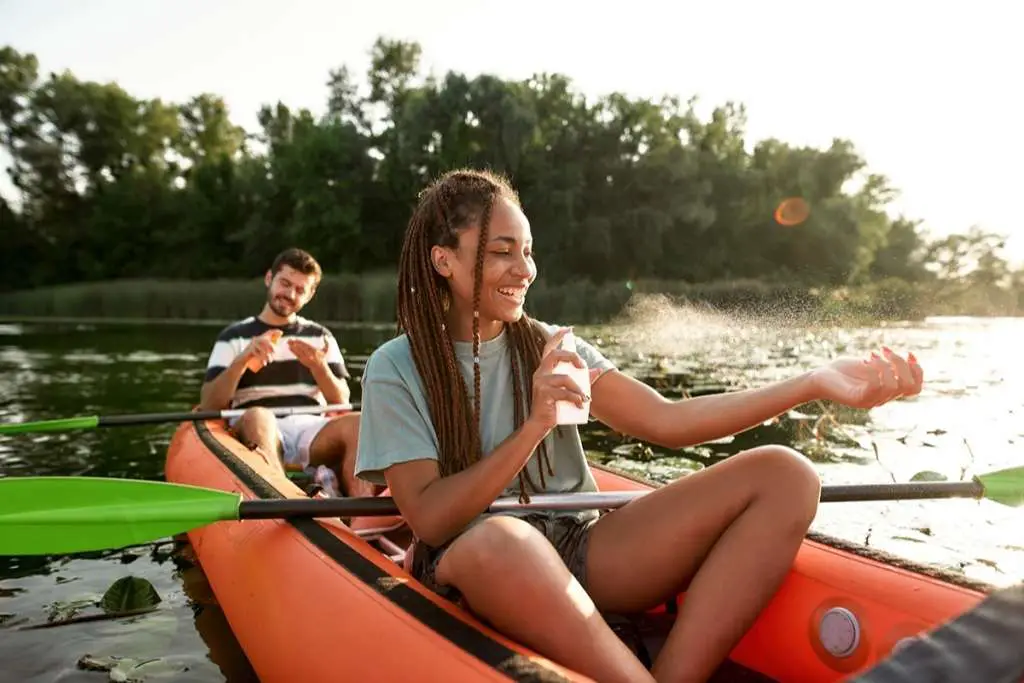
x: 284, y: 381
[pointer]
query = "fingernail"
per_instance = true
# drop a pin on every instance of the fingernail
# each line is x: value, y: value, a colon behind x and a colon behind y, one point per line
x: 911, y: 357
x: 887, y: 350
x: 875, y: 356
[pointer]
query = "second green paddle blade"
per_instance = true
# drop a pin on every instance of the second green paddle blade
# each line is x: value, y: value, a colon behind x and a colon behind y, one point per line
x: 56, y: 515
x: 87, y: 422
x: 1005, y: 486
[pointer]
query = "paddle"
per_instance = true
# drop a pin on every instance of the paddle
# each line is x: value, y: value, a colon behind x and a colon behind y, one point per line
x: 94, y: 421
x: 56, y: 515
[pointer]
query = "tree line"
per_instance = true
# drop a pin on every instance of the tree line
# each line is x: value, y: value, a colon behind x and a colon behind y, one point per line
x: 113, y: 186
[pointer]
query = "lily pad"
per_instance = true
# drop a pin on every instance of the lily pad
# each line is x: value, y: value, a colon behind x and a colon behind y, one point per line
x: 635, y: 451
x: 928, y: 475
x: 129, y: 593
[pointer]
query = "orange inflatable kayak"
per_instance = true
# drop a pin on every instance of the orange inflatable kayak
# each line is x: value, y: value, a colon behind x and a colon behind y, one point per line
x: 293, y: 590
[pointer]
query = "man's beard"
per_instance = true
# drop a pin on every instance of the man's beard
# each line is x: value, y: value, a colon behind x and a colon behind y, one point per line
x: 277, y: 306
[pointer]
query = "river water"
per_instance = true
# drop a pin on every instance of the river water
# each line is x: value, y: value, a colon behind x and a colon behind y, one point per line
x: 967, y: 419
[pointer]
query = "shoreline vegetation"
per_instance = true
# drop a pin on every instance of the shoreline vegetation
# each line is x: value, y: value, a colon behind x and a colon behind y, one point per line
x: 133, y: 207
x: 370, y: 299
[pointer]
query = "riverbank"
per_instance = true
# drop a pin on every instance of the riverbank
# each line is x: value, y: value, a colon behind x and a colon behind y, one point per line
x: 370, y: 298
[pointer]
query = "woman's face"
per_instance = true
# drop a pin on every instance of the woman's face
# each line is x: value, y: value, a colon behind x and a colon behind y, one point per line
x: 508, y: 270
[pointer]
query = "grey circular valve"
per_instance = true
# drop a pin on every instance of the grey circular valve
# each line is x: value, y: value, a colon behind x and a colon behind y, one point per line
x: 839, y: 632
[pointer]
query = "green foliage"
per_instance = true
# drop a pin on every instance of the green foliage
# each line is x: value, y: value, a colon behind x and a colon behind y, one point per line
x: 129, y: 593
x: 112, y: 187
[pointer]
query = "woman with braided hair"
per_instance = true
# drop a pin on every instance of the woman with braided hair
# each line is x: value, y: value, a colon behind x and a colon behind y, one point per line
x: 460, y: 408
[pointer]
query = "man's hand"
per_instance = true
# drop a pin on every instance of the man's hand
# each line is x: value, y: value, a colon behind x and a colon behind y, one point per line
x: 312, y: 357
x: 260, y: 351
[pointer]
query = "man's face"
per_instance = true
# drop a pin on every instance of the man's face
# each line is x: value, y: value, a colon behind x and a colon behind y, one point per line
x: 288, y: 291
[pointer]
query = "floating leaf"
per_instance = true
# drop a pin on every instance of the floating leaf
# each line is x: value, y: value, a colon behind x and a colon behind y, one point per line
x: 928, y: 475
x: 128, y: 594
x: 92, y: 663
x: 61, y: 611
x: 907, y: 538
x: 635, y: 451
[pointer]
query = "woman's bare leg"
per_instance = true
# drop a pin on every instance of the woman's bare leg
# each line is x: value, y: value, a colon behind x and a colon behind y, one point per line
x: 730, y: 531
x: 511, y: 576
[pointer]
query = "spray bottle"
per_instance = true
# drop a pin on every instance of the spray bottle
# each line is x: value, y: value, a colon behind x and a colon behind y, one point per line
x: 566, y: 412
x: 254, y: 364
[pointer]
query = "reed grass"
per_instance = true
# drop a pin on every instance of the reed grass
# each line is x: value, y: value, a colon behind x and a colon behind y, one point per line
x: 370, y: 298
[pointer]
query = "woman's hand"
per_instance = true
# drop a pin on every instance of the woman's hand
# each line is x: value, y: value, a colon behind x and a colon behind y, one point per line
x: 867, y: 383
x: 550, y: 388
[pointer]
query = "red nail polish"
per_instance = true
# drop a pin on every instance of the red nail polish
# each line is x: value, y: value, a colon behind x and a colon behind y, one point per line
x: 911, y: 357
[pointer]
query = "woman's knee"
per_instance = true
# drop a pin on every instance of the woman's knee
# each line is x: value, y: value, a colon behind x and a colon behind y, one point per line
x: 788, y: 478
x: 500, y: 548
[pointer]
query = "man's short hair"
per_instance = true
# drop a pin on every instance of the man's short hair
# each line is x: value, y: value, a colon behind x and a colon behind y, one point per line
x: 297, y: 259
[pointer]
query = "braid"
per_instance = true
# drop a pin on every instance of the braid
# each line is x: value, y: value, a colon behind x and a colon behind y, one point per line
x: 478, y: 273
x: 527, y: 343
x: 421, y: 317
x: 452, y: 203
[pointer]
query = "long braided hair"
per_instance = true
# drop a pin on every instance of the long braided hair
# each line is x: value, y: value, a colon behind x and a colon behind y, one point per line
x: 454, y: 202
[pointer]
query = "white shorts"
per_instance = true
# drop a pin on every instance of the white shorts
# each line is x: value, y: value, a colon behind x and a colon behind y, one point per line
x: 297, y: 434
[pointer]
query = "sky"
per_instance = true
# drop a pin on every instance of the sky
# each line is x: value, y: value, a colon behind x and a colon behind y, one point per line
x: 924, y: 93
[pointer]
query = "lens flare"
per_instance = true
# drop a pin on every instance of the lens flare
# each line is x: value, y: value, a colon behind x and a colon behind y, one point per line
x: 792, y: 211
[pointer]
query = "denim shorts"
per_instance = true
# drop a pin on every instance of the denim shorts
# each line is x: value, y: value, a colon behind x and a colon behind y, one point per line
x: 568, y: 534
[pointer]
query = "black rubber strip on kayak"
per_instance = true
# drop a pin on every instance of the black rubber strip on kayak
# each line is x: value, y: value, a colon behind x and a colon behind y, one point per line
x: 982, y: 645
x: 463, y: 635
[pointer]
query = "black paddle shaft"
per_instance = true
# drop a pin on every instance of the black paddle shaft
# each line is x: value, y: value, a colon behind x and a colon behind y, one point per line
x: 385, y: 505
x: 849, y: 493
x: 317, y: 507
x: 157, y: 418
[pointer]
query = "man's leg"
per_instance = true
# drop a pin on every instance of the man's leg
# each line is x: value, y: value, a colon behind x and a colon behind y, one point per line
x: 334, y: 445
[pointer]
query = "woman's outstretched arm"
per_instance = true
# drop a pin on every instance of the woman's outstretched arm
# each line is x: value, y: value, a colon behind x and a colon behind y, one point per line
x: 631, y: 407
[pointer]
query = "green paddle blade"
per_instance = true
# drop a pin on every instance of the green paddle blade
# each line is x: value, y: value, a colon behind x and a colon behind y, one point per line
x: 1005, y: 486
x: 56, y: 515
x: 87, y: 422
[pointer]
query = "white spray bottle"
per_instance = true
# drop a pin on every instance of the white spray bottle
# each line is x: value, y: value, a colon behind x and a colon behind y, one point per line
x: 566, y: 412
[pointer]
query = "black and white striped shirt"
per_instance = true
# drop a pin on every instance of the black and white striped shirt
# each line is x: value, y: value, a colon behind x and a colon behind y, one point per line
x: 284, y: 381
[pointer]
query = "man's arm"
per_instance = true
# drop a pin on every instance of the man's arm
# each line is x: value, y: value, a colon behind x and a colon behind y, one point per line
x: 332, y: 375
x: 335, y: 389
x: 217, y: 392
x: 226, y: 367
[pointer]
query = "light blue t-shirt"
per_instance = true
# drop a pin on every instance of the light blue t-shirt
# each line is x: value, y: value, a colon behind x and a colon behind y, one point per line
x: 395, y: 426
